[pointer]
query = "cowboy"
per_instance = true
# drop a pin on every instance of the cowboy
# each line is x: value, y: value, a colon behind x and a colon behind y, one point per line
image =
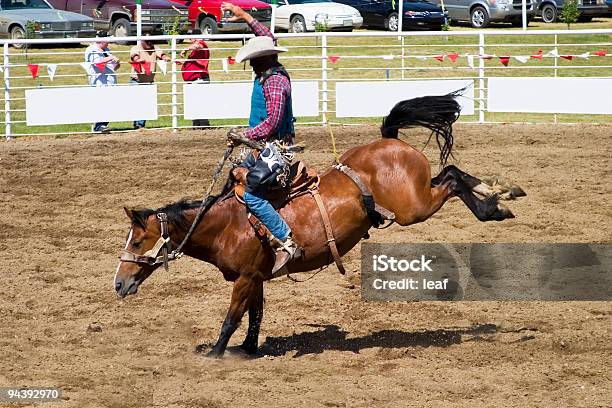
x: 271, y: 119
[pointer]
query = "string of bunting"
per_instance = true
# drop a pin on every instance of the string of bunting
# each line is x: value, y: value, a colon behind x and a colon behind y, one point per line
x: 145, y: 66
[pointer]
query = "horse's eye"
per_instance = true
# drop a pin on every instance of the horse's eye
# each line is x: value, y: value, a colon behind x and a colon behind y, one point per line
x: 136, y: 244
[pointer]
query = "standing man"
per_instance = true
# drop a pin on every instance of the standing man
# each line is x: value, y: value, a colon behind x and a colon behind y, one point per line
x: 271, y: 119
x: 144, y: 56
x: 195, y: 68
x: 96, y: 55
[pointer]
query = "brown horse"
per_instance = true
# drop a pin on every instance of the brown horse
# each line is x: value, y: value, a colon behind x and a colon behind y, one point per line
x: 397, y: 174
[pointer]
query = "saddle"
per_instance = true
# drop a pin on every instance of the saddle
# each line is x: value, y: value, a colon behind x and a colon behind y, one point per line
x: 303, y: 180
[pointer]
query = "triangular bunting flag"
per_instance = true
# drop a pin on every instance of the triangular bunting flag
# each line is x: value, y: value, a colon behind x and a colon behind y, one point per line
x: 231, y: 60
x: 567, y: 57
x: 586, y: 55
x: 470, y: 61
x: 163, y: 66
x: 51, y: 68
x: 453, y: 57
x: 601, y: 53
x: 33, y: 70
x: 388, y: 57
x: 421, y: 57
x: 439, y: 57
x: 486, y: 56
x: 504, y: 60
x: 333, y: 58
x: 553, y: 53
x: 147, y: 67
x: 85, y: 66
x: 521, y: 58
x: 137, y: 67
x: 100, y: 65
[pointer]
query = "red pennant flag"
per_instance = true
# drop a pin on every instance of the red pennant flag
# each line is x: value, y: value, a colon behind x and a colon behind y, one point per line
x: 101, y: 65
x: 453, y: 57
x: 601, y: 53
x: 538, y: 55
x: 137, y: 67
x: 439, y: 57
x: 567, y: 57
x: 333, y: 58
x: 34, y: 70
x: 231, y: 60
x: 147, y: 67
x: 504, y: 60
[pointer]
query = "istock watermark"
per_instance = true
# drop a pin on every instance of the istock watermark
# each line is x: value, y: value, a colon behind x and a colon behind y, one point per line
x: 413, y: 272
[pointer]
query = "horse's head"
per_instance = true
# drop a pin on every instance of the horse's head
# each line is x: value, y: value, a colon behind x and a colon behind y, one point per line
x: 146, y: 243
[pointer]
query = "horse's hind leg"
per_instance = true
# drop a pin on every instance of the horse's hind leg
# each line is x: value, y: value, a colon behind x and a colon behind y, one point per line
x: 242, y: 294
x: 255, y: 316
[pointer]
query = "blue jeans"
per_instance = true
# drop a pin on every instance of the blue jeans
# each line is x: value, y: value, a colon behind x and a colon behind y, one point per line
x: 264, y: 211
x: 137, y: 123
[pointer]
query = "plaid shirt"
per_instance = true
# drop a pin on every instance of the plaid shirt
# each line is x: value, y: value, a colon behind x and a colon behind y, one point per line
x: 276, y: 89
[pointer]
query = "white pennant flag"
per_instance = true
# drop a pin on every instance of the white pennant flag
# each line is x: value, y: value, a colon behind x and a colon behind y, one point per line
x: 470, y: 61
x: 1, y: 68
x: 86, y: 66
x: 387, y: 57
x: 521, y: 58
x: 421, y: 57
x: 553, y: 53
x: 163, y: 66
x: 586, y: 55
x: 51, y: 68
x: 225, y: 65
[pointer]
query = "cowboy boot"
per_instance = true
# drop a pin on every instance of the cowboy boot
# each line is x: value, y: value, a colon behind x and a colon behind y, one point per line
x: 286, y: 251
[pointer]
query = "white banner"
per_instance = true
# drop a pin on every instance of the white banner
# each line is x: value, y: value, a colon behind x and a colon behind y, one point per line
x: 59, y: 106
x: 228, y: 101
x: 550, y: 95
x: 367, y: 99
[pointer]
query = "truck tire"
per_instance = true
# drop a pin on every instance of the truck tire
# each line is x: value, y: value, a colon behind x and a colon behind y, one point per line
x: 297, y: 24
x: 549, y: 13
x: 479, y: 18
x: 121, y: 28
x: 209, y: 26
x: 18, y: 33
x: 392, y: 22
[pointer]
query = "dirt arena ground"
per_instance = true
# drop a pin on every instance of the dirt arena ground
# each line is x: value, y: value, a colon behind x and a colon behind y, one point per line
x: 63, y: 227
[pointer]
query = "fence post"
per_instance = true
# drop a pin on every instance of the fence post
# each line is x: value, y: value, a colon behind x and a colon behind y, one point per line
x: 174, y: 82
x: 324, y: 77
x: 481, y: 79
x: 7, y: 93
x: 403, y: 57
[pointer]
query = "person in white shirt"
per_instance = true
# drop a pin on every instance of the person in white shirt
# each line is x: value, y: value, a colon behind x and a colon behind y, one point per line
x: 97, y: 54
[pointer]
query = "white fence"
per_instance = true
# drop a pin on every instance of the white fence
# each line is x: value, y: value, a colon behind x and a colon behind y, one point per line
x: 510, y: 76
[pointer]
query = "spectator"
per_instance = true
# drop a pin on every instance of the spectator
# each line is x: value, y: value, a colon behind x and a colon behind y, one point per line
x: 96, y: 54
x: 195, y: 69
x: 144, y: 56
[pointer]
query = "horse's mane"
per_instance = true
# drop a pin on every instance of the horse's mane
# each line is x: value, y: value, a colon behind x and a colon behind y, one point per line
x: 176, y: 211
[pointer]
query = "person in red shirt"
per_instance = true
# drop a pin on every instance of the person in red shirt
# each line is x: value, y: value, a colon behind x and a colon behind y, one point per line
x: 195, y: 67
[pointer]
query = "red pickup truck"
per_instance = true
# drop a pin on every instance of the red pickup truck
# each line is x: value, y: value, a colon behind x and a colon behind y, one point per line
x: 208, y: 17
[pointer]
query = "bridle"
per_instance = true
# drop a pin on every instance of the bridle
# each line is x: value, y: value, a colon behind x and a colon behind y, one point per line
x: 160, y: 253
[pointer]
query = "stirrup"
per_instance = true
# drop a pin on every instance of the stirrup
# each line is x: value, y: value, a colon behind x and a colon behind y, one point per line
x: 285, y: 252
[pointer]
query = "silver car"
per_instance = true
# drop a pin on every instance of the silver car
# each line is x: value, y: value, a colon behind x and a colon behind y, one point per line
x: 479, y: 13
x: 37, y: 19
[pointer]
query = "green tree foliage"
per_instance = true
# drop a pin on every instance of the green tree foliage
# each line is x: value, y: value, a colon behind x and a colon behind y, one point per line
x: 570, y: 12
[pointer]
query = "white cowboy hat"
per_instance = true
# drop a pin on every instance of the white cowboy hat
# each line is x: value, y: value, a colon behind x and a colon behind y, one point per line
x: 258, y: 47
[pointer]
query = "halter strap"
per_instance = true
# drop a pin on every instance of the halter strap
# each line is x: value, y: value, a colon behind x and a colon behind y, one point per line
x: 152, y: 256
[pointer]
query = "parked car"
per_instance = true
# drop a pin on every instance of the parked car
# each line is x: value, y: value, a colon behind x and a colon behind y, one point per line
x: 118, y: 17
x: 479, y: 13
x: 207, y: 15
x: 418, y: 14
x: 299, y: 16
x: 45, y: 21
x: 550, y: 10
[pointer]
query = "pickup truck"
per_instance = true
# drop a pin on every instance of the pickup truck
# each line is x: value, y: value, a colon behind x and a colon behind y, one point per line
x: 118, y: 17
x: 208, y: 17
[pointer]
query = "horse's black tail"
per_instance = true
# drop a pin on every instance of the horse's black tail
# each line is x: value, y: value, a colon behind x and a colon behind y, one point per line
x: 437, y: 113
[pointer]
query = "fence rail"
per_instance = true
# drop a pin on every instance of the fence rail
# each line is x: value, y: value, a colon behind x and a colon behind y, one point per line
x: 327, y: 58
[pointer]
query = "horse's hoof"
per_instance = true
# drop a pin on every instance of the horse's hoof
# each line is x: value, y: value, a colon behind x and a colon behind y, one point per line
x: 516, y: 191
x: 248, y: 349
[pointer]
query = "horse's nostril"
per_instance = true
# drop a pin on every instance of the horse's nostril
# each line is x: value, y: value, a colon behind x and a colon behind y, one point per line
x: 117, y: 286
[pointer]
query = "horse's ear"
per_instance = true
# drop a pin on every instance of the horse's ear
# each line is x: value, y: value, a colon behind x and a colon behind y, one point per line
x: 129, y: 213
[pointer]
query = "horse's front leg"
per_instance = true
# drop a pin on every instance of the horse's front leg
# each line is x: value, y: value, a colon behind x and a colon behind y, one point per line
x: 242, y: 295
x: 255, y: 316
